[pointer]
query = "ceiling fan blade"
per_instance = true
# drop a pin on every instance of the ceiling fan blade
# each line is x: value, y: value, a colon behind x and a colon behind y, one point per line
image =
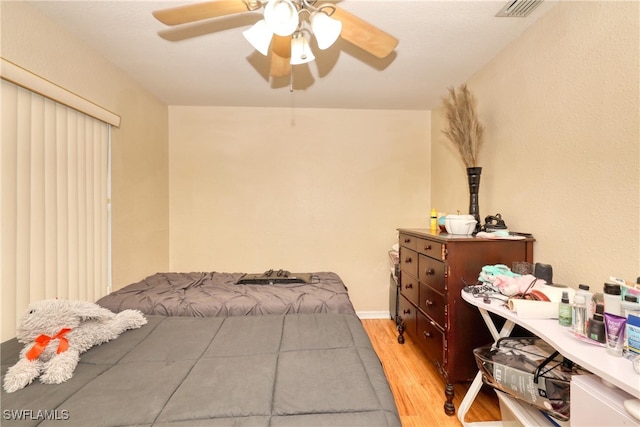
x: 364, y: 35
x: 280, y: 56
x: 199, y: 11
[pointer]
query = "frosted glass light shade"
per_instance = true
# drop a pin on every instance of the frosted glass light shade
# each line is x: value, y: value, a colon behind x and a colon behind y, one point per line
x: 300, y: 50
x: 281, y: 17
x: 259, y: 36
x: 325, y: 28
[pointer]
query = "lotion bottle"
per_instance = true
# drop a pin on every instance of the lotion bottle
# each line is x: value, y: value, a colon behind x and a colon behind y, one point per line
x: 612, y: 298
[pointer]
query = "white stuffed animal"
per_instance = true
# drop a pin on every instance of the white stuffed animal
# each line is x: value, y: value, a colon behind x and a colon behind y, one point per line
x: 56, y: 331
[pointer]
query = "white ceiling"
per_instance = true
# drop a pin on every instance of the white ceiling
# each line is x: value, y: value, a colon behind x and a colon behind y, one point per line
x: 442, y: 43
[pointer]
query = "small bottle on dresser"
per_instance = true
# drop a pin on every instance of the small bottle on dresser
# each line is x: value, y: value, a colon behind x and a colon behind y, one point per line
x: 564, y: 310
x: 434, y: 220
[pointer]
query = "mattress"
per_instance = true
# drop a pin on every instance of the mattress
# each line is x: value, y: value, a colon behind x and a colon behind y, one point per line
x: 273, y: 370
x: 211, y: 294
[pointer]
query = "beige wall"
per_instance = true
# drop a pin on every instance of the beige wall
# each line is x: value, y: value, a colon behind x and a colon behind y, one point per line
x: 326, y: 189
x: 300, y: 189
x: 561, y: 157
x: 139, y: 146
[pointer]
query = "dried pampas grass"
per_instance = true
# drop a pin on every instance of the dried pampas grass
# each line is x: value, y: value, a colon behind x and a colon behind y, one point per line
x: 465, y: 131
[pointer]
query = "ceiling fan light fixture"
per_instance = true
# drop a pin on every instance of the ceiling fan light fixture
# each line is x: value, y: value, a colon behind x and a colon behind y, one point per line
x: 300, y: 49
x: 288, y: 26
x: 325, y: 28
x: 259, y: 36
x: 281, y: 17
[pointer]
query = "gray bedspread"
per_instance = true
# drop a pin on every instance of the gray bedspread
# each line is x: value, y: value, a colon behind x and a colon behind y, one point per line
x: 217, y: 294
x: 274, y: 370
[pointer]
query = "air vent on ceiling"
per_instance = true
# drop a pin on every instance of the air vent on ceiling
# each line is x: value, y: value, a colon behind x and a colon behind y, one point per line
x: 518, y: 8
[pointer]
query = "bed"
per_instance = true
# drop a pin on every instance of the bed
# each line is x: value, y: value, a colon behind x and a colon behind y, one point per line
x: 270, y: 370
x: 210, y: 294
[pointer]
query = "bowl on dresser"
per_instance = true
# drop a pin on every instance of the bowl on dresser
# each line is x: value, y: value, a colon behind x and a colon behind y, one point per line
x: 460, y: 224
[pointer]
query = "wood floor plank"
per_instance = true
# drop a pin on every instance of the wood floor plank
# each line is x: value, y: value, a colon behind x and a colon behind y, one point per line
x: 417, y: 386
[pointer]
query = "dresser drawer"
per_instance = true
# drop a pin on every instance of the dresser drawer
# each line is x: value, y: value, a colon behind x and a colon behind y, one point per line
x: 408, y: 241
x: 431, y: 272
x: 430, y: 339
x: 430, y: 248
x: 409, y: 261
x: 409, y: 288
x: 433, y: 304
x: 407, y: 315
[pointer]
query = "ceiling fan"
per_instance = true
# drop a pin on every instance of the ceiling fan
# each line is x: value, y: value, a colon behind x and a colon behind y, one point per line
x: 284, y: 32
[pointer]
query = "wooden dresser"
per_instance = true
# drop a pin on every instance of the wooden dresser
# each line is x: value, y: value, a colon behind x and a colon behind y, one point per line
x: 434, y: 267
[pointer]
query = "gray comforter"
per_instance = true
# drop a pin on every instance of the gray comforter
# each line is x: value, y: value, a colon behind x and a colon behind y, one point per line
x: 279, y: 370
x: 217, y: 294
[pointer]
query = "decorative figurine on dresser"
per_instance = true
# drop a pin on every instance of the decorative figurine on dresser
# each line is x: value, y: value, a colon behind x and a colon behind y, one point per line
x: 433, y: 270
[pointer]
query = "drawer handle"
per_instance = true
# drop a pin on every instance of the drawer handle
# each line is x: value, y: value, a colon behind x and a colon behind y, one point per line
x: 432, y: 323
x: 406, y: 311
x: 407, y: 240
x: 408, y: 260
x: 430, y: 271
x: 428, y: 302
x: 427, y: 334
x: 409, y: 286
x: 427, y: 248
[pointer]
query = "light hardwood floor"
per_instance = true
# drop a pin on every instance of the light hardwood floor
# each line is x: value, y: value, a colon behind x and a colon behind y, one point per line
x: 417, y: 386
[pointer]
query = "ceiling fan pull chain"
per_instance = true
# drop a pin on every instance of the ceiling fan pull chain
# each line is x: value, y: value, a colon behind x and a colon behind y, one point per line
x: 291, y: 81
x: 293, y: 106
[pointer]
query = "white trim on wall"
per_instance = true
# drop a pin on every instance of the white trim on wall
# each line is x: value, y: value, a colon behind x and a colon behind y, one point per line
x: 28, y: 80
x: 373, y: 315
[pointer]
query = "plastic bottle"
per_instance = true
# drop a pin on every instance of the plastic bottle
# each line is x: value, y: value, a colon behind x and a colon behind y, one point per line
x: 564, y: 310
x: 434, y: 220
x: 579, y: 315
x: 630, y: 305
x: 596, y: 326
x: 588, y: 300
x: 612, y: 298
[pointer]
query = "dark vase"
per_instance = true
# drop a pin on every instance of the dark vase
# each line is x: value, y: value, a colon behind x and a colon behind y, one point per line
x: 473, y: 175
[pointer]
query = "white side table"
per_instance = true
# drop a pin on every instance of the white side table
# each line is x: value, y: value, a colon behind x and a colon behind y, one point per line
x: 616, y: 370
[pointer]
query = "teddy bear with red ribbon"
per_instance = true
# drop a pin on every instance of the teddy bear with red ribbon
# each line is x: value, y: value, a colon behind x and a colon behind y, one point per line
x: 55, y: 332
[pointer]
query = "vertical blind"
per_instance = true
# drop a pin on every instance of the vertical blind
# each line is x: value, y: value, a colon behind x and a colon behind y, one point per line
x: 54, y: 203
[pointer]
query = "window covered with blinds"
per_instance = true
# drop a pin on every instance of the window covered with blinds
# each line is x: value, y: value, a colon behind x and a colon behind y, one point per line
x: 54, y: 203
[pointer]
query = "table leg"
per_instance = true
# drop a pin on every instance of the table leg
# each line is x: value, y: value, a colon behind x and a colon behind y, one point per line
x: 476, y: 385
x: 469, y: 397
